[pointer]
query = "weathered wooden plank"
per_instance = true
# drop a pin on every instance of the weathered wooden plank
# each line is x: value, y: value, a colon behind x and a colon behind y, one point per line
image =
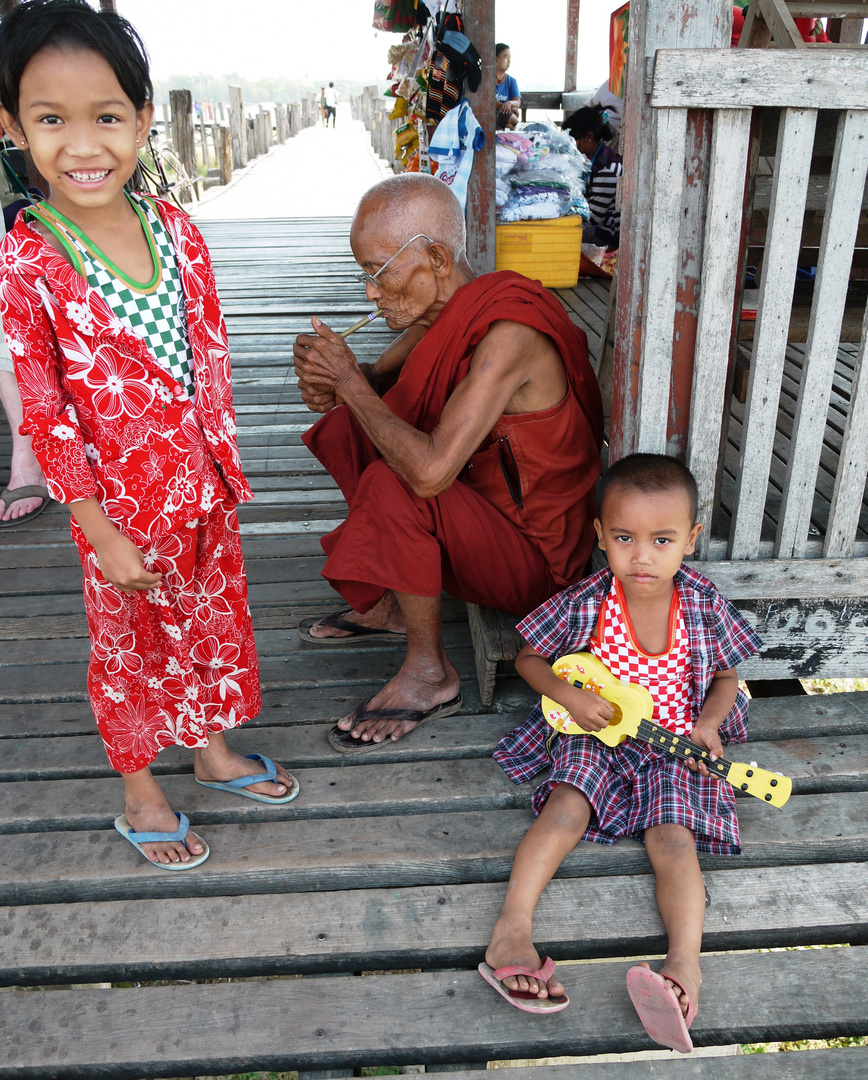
x: 300, y: 746
x: 427, y: 927
x: 375, y: 789
x: 714, y: 328
x: 652, y: 407
x: 736, y: 78
x: 56, y: 727
x: 836, y: 250
x: 821, y: 639
x: 392, y: 1019
x: 417, y: 849
x: 363, y: 791
x: 789, y: 578
x: 853, y: 469
x: 842, y: 1063
x: 795, y: 136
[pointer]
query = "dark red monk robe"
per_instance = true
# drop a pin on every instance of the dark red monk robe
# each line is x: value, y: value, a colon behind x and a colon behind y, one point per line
x: 517, y: 524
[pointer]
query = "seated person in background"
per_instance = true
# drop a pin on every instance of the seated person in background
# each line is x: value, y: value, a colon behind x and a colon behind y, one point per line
x: 611, y: 103
x: 591, y: 130
x: 506, y: 90
x: 650, y: 619
x: 467, y: 453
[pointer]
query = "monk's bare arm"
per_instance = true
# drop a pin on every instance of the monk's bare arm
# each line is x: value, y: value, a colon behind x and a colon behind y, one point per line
x: 512, y: 366
x: 383, y: 374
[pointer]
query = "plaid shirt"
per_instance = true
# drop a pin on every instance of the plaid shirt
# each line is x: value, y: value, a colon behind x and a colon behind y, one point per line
x: 720, y: 638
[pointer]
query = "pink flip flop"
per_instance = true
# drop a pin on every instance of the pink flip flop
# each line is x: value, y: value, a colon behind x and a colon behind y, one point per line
x: 523, y: 999
x: 659, y: 1010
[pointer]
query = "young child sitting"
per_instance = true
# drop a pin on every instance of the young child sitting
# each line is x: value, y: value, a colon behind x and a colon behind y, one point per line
x: 653, y: 620
x: 111, y: 313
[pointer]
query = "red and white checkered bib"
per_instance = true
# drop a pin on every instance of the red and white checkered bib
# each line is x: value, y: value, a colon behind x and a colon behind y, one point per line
x: 669, y: 676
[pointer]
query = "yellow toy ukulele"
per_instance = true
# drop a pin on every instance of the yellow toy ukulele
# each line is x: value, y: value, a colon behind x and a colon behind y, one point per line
x: 633, y: 706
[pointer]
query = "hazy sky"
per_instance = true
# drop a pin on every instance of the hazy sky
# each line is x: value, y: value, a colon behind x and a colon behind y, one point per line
x: 333, y: 38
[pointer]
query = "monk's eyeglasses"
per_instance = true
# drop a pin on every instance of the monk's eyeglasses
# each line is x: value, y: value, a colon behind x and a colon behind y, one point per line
x: 371, y: 279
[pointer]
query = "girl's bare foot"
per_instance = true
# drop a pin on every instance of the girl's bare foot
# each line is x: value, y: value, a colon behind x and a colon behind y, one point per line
x: 157, y: 816
x: 511, y: 946
x: 216, y: 763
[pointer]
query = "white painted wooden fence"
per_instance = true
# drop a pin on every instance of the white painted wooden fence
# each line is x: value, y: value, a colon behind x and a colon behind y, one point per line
x: 732, y: 83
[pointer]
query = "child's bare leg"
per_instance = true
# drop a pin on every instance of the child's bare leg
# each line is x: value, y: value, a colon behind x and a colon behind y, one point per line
x: 681, y: 901
x: 217, y: 763
x: 146, y: 810
x: 553, y: 835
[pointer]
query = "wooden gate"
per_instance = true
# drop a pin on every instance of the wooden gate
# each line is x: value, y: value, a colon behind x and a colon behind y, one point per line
x: 798, y: 516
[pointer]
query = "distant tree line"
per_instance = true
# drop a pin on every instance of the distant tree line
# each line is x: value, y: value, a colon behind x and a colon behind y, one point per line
x: 216, y: 88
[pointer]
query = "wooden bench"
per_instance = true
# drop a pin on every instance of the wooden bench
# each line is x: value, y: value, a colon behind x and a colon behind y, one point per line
x: 495, y: 643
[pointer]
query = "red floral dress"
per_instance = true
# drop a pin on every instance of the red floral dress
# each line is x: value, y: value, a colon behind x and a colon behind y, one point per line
x: 171, y: 664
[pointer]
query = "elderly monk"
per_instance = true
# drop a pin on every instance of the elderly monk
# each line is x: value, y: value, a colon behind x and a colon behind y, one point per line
x: 467, y: 453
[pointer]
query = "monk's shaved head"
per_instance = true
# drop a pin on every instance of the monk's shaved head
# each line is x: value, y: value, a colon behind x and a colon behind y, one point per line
x: 412, y: 203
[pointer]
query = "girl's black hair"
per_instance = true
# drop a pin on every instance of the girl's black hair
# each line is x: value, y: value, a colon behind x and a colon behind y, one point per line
x: 588, y: 118
x: 499, y: 47
x: 71, y: 24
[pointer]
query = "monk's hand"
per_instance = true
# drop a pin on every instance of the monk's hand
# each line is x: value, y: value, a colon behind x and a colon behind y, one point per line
x: 705, y: 734
x: 590, y: 711
x: 324, y: 363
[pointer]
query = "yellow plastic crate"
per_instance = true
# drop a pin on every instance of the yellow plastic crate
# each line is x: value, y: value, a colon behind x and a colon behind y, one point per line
x: 549, y: 251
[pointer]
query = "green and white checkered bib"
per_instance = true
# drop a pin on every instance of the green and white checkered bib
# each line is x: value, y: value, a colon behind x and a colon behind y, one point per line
x: 155, y: 311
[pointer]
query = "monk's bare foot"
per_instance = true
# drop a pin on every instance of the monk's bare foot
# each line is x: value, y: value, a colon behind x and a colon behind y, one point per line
x: 217, y: 763
x: 385, y: 615
x: 408, y: 691
x: 688, y: 977
x: 511, y: 946
x: 155, y: 815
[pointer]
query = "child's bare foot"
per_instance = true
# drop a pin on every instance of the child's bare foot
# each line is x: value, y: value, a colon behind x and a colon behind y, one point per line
x: 156, y: 816
x: 216, y: 763
x: 511, y: 945
x: 684, y: 978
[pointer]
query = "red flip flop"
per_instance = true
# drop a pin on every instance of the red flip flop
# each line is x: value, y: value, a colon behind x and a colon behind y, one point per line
x: 523, y: 999
x: 659, y: 1010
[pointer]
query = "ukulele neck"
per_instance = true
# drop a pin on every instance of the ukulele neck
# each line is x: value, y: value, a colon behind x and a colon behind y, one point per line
x: 680, y: 746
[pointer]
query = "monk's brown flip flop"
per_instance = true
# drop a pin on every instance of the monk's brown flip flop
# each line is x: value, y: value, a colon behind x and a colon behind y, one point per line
x: 344, y: 742
x: 354, y: 631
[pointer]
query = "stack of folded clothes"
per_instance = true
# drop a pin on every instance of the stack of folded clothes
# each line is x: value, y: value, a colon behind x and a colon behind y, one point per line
x: 540, y: 174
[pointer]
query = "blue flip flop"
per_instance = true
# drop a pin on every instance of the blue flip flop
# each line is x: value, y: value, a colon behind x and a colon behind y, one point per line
x: 237, y: 787
x: 139, y: 838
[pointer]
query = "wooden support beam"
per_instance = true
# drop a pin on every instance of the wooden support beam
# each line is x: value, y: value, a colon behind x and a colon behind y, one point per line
x: 571, y: 62
x: 236, y: 128
x: 181, y: 102
x: 479, y: 27
x: 658, y: 24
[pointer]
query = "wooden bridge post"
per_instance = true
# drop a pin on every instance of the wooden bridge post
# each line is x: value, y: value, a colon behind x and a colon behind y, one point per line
x: 479, y: 20
x: 658, y: 24
x: 223, y: 143
x: 295, y: 118
x: 236, y: 128
x: 183, y: 136
x: 571, y: 59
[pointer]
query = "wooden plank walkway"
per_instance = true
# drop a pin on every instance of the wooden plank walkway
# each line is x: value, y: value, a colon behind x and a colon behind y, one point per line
x: 343, y: 930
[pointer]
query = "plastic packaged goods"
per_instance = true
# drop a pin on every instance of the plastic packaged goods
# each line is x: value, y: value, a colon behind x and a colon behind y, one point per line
x: 544, y: 171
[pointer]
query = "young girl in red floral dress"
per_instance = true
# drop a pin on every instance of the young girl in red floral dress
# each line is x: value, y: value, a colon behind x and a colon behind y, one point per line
x: 112, y: 316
